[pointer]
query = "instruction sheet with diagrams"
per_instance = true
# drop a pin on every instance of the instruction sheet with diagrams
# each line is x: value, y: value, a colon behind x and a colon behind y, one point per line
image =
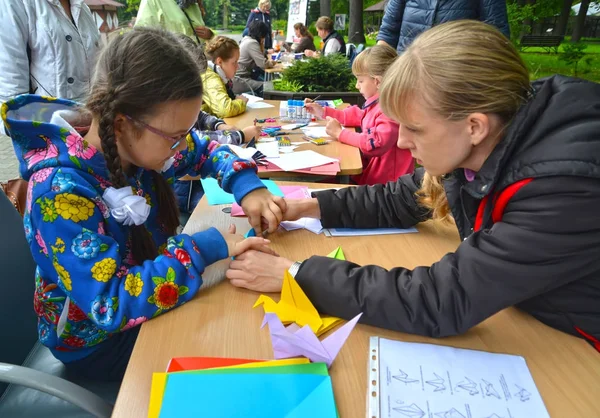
x: 412, y: 380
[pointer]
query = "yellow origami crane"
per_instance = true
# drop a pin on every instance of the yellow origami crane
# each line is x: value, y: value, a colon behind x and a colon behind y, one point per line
x: 294, y: 306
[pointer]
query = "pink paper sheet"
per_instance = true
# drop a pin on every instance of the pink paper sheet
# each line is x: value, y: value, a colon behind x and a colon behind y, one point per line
x: 290, y: 192
x: 330, y: 169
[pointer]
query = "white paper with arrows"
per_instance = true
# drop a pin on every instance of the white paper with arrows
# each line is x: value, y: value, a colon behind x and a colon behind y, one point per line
x: 412, y: 380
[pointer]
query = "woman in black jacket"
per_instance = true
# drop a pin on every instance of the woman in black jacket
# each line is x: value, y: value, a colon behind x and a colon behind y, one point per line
x: 516, y: 166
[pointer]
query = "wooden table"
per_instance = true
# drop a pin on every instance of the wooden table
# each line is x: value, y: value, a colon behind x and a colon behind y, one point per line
x: 270, y: 72
x: 221, y: 322
x: 350, y: 160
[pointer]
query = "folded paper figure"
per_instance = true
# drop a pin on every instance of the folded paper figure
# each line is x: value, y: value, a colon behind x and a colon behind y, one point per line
x: 293, y: 341
x: 295, y: 307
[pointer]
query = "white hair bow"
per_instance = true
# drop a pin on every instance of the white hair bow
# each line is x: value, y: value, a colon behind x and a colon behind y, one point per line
x: 125, y: 206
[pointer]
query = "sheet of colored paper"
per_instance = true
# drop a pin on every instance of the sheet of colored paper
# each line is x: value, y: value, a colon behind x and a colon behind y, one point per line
x: 217, y: 196
x: 178, y: 364
x: 248, y: 395
x: 159, y: 380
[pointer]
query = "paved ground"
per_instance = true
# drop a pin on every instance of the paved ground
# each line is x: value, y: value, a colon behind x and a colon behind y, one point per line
x: 9, y: 166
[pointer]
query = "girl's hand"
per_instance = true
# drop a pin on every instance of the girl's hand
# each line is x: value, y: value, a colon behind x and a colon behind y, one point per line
x: 251, y: 132
x: 242, y: 98
x: 264, y: 210
x: 314, y: 108
x: 333, y: 127
x: 237, y: 244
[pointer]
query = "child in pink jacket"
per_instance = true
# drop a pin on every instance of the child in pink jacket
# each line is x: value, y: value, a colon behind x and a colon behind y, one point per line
x: 383, y: 161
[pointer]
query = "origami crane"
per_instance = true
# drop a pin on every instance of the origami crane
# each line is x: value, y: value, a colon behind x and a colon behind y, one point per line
x: 293, y: 341
x: 295, y: 307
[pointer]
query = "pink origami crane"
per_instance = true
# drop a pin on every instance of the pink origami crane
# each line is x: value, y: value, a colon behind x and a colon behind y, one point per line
x: 293, y: 341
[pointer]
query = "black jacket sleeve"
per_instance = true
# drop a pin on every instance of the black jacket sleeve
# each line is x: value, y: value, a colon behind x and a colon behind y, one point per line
x: 391, y: 205
x: 548, y: 237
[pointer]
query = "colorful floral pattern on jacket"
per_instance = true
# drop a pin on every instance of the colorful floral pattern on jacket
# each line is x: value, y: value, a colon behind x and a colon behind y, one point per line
x: 87, y: 285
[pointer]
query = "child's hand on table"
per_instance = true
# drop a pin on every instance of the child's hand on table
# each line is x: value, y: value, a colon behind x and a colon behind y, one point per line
x: 251, y: 132
x: 237, y: 244
x: 264, y: 210
x: 242, y: 98
x: 333, y: 127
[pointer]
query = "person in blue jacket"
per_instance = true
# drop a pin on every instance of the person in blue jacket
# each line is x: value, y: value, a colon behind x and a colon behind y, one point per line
x: 404, y: 20
x: 261, y: 13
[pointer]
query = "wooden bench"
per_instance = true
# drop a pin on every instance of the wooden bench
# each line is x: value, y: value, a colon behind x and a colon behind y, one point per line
x: 548, y: 42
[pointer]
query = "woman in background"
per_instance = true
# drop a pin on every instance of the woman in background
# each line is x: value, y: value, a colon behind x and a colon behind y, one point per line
x: 47, y: 48
x: 253, y: 62
x: 179, y: 16
x: 261, y: 14
x: 307, y: 41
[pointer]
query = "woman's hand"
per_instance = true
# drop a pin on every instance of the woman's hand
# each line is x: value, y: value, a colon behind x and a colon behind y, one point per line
x: 203, y: 32
x: 309, y: 53
x: 314, y: 108
x: 333, y: 127
x: 258, y: 271
x: 301, y: 208
x: 251, y: 132
x: 264, y: 210
x: 237, y: 244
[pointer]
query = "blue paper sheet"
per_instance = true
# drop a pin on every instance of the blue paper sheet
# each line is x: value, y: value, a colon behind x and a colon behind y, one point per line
x: 217, y: 196
x: 248, y: 396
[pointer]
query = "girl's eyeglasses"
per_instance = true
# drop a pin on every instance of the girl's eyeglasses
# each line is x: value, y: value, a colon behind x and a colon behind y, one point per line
x: 176, y: 141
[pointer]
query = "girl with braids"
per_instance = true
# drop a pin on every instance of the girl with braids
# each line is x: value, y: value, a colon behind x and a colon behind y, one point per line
x: 515, y: 165
x: 101, y: 216
x: 219, y: 99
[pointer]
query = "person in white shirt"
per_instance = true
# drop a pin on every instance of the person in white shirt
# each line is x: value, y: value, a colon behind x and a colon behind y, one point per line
x: 47, y: 47
x: 333, y: 42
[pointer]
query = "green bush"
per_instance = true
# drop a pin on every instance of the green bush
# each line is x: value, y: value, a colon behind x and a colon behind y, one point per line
x: 279, y: 25
x: 312, y: 28
x: 331, y: 73
x: 286, y: 85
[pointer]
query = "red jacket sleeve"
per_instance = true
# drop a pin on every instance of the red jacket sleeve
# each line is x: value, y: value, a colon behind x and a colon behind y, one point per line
x: 351, y: 116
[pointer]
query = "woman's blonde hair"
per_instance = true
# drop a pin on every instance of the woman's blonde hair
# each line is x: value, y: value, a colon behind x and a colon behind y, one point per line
x: 374, y: 61
x: 456, y: 69
x: 262, y: 3
x: 221, y: 47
